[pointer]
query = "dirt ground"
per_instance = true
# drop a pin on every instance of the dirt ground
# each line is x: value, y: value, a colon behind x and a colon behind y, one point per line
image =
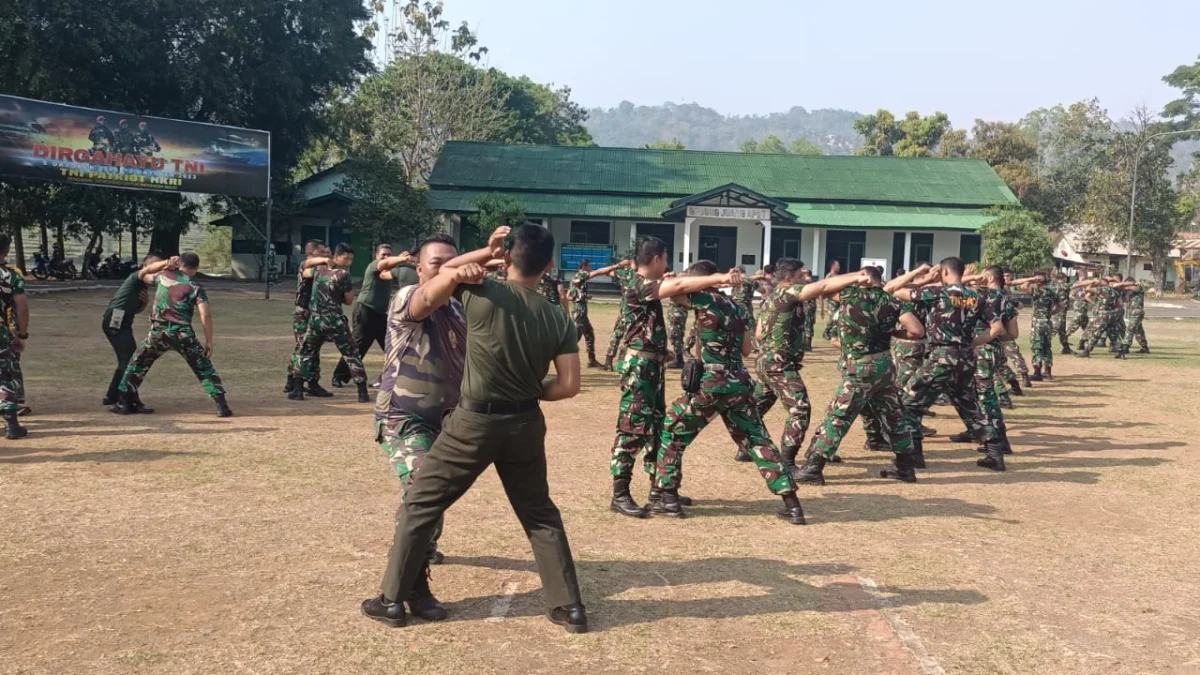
x: 182, y: 543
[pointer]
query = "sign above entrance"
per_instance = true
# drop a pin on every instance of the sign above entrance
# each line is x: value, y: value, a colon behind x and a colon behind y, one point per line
x: 728, y: 213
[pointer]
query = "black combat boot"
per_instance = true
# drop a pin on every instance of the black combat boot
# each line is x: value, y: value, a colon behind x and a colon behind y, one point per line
x: 875, y: 446
x: 222, y: 407
x: 742, y: 456
x: 571, y: 617
x: 124, y: 404
x: 835, y: 459
x: 607, y: 364
x: 287, y: 387
x: 918, y: 453
x: 656, y: 496
x: 593, y: 363
x: 1006, y: 402
x: 1037, y: 374
x: 928, y: 432
x: 363, y: 395
x: 140, y: 407
x: 315, y: 389
x: 1015, y: 386
x: 1025, y: 381
x: 791, y: 511
x: 967, y: 436
x: 384, y: 611
x: 902, y: 469
x: 1122, y: 354
x: 622, y: 502
x: 1084, y: 352
x: 929, y: 413
x: 297, y: 392
x: 336, y: 383
x: 995, y: 456
x: 1144, y: 350
x: 1048, y: 373
x: 1082, y: 344
x: 421, y: 601
x: 1066, y: 350
x: 667, y: 504
x: 812, y: 473
x: 110, y: 399
x: 12, y: 428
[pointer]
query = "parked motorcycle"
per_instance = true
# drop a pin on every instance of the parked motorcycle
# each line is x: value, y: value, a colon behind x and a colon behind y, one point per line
x: 44, y: 268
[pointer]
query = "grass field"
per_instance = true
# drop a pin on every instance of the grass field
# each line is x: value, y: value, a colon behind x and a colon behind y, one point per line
x: 182, y: 543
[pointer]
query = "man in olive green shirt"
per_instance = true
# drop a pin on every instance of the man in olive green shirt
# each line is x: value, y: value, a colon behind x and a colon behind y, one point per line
x: 385, y: 275
x: 117, y: 325
x: 513, y: 335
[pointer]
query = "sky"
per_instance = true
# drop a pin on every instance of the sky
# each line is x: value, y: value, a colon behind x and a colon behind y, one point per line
x: 968, y: 58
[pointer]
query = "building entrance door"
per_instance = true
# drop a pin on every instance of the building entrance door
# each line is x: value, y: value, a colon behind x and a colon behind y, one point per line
x: 719, y: 244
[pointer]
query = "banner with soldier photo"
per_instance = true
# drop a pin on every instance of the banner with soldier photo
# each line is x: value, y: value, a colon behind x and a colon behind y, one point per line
x: 68, y: 144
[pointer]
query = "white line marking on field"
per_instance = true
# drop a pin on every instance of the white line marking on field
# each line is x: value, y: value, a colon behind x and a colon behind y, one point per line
x: 911, y: 642
x: 502, y: 603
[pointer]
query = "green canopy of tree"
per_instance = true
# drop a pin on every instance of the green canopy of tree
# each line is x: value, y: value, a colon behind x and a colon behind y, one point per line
x: 1185, y: 110
x: 913, y: 136
x: 497, y: 209
x: 772, y: 145
x: 1016, y: 239
x: 662, y: 144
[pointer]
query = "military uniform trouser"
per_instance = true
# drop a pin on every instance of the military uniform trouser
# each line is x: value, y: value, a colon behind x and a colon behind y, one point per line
x: 299, y: 330
x: 370, y: 327
x: 469, y: 443
x: 810, y: 329
x: 678, y: 326
x: 640, y: 413
x: 868, y: 387
x: 583, y: 328
x: 124, y: 345
x: 1014, y: 361
x: 907, y: 356
x: 177, y: 338
x: 618, y: 336
x: 1135, y: 329
x: 1058, y: 323
x: 1077, y: 322
x: 776, y: 382
x: 19, y: 377
x: 987, y: 363
x: 406, y: 441
x: 9, y: 394
x: 1104, y: 326
x: 948, y: 370
x: 1041, y: 342
x: 688, y: 416
x: 328, y: 329
x: 834, y: 315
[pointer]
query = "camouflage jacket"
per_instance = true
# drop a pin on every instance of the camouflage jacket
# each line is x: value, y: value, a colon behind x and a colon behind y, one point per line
x: 1079, y: 302
x: 12, y: 284
x: 953, y: 312
x: 721, y: 331
x: 865, y: 323
x: 643, y: 315
x: 1108, y: 299
x: 998, y: 306
x: 1045, y: 299
x: 781, y: 324
x: 578, y: 292
x: 175, y: 299
x: 1062, y: 294
x: 1136, y: 299
x: 548, y: 288
x: 329, y: 288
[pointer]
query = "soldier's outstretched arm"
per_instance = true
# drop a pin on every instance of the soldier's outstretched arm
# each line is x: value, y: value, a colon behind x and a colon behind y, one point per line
x: 831, y: 285
x: 154, y: 268
x: 207, y: 323
x: 995, y: 330
x: 687, y: 285
x: 494, y: 249
x: 905, y: 279
x: 389, y: 263
x: 437, y: 291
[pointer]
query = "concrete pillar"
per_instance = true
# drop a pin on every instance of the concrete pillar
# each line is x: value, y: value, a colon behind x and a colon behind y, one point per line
x: 766, y: 256
x: 632, y: 235
x: 818, y: 255
x: 687, y: 242
x: 908, y: 261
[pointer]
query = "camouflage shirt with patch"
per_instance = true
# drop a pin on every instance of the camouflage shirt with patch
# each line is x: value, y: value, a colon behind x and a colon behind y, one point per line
x: 953, y: 312
x: 1044, y: 300
x: 997, y: 306
x: 303, y: 290
x: 644, y: 315
x: 12, y: 284
x: 721, y: 330
x: 1062, y: 292
x: 1108, y: 299
x: 423, y: 363
x: 175, y: 298
x: 1136, y: 299
x: 329, y: 288
x: 781, y: 325
x: 578, y: 292
x: 548, y: 288
x: 867, y: 318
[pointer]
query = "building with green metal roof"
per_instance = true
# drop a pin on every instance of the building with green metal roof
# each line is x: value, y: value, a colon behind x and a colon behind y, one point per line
x: 731, y: 208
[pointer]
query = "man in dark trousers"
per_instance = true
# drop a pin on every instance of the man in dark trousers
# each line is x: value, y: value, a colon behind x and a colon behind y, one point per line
x: 385, y: 274
x: 513, y: 334
x: 131, y: 298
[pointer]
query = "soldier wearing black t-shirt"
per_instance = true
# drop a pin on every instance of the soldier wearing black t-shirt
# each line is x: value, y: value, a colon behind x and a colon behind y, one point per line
x: 131, y: 298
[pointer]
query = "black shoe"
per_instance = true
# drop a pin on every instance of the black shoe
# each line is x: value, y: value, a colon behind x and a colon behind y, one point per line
x: 593, y: 363
x: 1015, y: 386
x: 964, y: 437
x: 124, y: 405
x: 13, y: 429
x: 297, y: 392
x: 667, y: 504
x: 1120, y: 355
x: 875, y: 447
x: 742, y: 456
x: 1025, y: 381
x: 571, y: 617
x: 918, y: 454
x: 929, y: 413
x: 141, y: 408
x: 902, y: 469
x: 622, y: 502
x: 791, y: 511
x: 1067, y: 351
x: 1049, y: 373
x: 421, y: 602
x: 26, y: 411
x: 1082, y: 355
x: 812, y: 473
x: 1144, y: 350
x: 1082, y: 345
x: 314, y: 388
x: 836, y: 459
x: 656, y: 495
x: 995, y: 456
x: 109, y: 399
x: 1037, y: 374
x: 607, y: 365
x: 675, y: 365
x: 390, y: 613
x: 222, y: 407
x: 1006, y: 403
x: 287, y: 387
x: 363, y: 396
x: 336, y: 383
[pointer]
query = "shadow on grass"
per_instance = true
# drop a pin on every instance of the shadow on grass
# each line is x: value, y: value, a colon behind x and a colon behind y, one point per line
x: 778, y: 590
x: 46, y: 455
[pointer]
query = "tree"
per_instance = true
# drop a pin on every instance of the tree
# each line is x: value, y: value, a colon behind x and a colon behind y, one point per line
x: 1008, y: 149
x: 496, y: 209
x: 1016, y: 239
x: 955, y: 143
x: 749, y: 145
x: 803, y: 146
x: 1070, y: 146
x: 537, y: 113
x: 1185, y: 110
x: 772, y: 145
x: 386, y: 206
x: 913, y: 136
x: 661, y: 144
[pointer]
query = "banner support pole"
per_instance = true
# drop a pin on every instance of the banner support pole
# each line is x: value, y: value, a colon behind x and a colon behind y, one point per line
x: 269, y: 255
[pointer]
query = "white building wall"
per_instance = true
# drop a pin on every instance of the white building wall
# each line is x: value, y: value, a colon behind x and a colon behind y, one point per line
x: 879, y: 245
x: 945, y: 245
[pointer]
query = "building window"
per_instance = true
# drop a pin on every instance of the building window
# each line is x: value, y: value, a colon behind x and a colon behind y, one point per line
x: 922, y: 249
x: 791, y: 248
x: 846, y: 247
x: 897, y: 252
x: 590, y: 232
x: 970, y: 248
x: 1148, y: 267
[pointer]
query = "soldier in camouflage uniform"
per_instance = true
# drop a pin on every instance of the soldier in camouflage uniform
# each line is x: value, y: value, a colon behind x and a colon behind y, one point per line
x: 314, y: 248
x: 1078, y: 320
x: 642, y: 409
x: 1041, y: 339
x: 780, y: 356
x: 578, y: 295
x: 551, y: 289
x: 12, y: 342
x: 726, y: 389
x: 327, y: 323
x: 998, y: 310
x: 176, y: 298
x: 9, y: 311
x: 1135, y: 313
x: 1062, y: 293
x: 621, y: 275
x: 1103, y: 320
x: 868, y: 317
x: 810, y: 315
x: 953, y: 314
x: 677, y: 316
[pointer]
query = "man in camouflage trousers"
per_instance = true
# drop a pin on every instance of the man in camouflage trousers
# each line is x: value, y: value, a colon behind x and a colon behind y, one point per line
x: 1062, y: 293
x: 1078, y: 320
x: 997, y: 308
x: 331, y: 290
x: 953, y: 314
x: 726, y: 389
x: 780, y: 356
x: 177, y: 297
x: 868, y: 317
x: 1103, y: 321
x: 642, y: 410
x: 1041, y: 339
x: 677, y: 316
x: 621, y: 275
x: 10, y: 316
x: 314, y: 248
x: 1135, y: 314
x: 578, y: 295
x: 12, y: 342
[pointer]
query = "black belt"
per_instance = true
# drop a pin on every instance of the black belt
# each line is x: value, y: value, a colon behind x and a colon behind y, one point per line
x: 503, y: 408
